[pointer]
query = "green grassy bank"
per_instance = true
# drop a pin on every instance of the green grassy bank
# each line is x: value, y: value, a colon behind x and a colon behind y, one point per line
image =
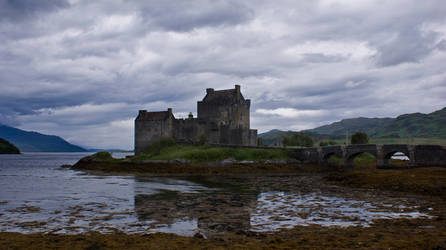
x: 169, y: 150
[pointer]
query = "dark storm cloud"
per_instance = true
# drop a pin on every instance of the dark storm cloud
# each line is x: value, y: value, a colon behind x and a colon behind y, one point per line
x: 18, y: 10
x: 82, y: 69
x: 188, y: 15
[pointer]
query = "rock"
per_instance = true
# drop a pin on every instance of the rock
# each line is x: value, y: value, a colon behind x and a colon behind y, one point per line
x: 198, y: 235
x: 276, y: 161
x: 179, y: 161
x: 293, y: 161
x: 154, y: 162
x: 246, y: 162
x: 229, y: 161
x: 441, y: 246
x: 66, y: 166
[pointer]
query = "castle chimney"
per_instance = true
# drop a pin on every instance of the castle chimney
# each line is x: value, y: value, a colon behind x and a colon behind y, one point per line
x: 209, y: 91
x: 169, y: 110
x: 237, y: 89
x: 191, y: 115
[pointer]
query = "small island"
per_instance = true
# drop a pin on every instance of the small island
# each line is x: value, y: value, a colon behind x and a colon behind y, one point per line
x: 166, y: 156
x: 8, y: 148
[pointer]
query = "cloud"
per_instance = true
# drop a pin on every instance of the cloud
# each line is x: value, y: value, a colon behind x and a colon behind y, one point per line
x: 290, y: 112
x: 17, y: 10
x: 82, y: 69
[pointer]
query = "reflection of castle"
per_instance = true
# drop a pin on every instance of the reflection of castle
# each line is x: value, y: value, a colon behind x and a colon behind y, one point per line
x: 223, y: 117
x: 216, y: 212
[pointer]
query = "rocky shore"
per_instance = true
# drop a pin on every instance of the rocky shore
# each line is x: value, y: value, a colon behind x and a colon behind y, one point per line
x: 220, y: 219
x: 251, y: 196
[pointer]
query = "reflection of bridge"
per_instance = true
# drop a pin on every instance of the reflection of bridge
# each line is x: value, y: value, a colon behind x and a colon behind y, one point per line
x: 419, y: 155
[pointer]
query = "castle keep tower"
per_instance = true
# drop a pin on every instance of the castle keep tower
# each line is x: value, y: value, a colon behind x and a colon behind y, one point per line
x: 223, y: 118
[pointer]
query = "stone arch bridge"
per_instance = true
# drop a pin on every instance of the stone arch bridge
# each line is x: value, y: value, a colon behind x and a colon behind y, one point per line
x: 419, y: 155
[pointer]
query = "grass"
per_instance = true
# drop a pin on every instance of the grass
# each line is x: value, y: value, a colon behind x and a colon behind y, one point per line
x: 201, y: 154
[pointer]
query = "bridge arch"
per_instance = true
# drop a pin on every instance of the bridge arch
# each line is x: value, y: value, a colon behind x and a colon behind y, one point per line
x: 353, y: 151
x: 389, y: 150
x: 326, y: 153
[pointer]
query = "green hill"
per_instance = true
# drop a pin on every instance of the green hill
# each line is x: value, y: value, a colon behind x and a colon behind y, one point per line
x: 431, y: 125
x: 408, y: 125
x: 361, y: 124
x: 35, y: 142
x: 415, y: 128
x: 8, y: 148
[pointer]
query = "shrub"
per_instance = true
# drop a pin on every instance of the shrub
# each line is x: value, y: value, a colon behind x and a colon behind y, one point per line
x: 103, y: 155
x: 202, y: 140
x: 259, y: 141
x: 299, y: 139
x: 323, y: 143
x: 327, y: 143
x: 359, y: 138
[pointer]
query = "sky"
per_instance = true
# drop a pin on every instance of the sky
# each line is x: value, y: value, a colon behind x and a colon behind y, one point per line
x: 82, y: 69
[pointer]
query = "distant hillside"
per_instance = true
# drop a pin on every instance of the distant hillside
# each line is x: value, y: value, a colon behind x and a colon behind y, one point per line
x: 36, y: 142
x: 431, y: 125
x: 415, y: 125
x: 8, y: 148
x: 110, y: 150
x: 409, y: 125
x: 361, y: 124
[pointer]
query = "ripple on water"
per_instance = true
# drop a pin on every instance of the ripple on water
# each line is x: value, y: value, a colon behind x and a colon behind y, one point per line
x: 276, y: 210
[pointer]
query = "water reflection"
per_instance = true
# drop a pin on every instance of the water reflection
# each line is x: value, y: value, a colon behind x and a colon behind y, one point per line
x: 36, y: 195
x: 210, y: 210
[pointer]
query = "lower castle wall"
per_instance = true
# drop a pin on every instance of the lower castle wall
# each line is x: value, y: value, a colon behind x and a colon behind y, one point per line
x: 190, y: 131
x: 148, y: 131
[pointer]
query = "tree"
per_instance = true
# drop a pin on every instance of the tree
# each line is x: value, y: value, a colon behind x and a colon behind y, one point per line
x: 323, y: 143
x: 359, y: 138
x: 259, y: 141
x: 298, y: 139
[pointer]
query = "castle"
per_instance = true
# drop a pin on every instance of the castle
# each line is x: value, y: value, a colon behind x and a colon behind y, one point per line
x: 223, y: 118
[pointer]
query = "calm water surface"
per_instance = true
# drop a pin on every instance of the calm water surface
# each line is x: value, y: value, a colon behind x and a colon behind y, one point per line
x: 36, y: 195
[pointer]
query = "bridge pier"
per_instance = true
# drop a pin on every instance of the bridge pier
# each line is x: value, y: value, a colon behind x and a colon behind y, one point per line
x: 381, y: 161
x: 412, y: 160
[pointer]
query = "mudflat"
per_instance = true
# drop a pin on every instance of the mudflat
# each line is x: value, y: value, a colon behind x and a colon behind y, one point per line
x: 382, y: 209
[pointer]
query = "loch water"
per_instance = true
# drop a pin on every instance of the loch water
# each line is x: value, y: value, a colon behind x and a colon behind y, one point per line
x: 37, y: 195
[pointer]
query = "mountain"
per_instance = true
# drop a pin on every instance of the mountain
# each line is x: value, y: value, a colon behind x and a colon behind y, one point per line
x: 415, y: 125
x: 430, y: 125
x: 361, y: 124
x: 35, y: 142
x: 110, y: 150
x: 8, y: 148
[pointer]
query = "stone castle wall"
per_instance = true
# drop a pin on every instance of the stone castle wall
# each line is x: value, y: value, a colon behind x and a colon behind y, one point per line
x: 223, y: 118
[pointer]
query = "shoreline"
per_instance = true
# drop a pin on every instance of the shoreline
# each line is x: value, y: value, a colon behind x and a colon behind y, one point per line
x: 418, y: 185
x: 389, y: 234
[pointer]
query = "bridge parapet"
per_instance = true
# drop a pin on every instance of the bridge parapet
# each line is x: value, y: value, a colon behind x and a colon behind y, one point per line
x: 419, y: 155
x: 429, y: 155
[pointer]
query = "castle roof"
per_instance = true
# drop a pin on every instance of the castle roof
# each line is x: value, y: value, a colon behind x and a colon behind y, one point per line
x: 153, y: 116
x: 223, y: 96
